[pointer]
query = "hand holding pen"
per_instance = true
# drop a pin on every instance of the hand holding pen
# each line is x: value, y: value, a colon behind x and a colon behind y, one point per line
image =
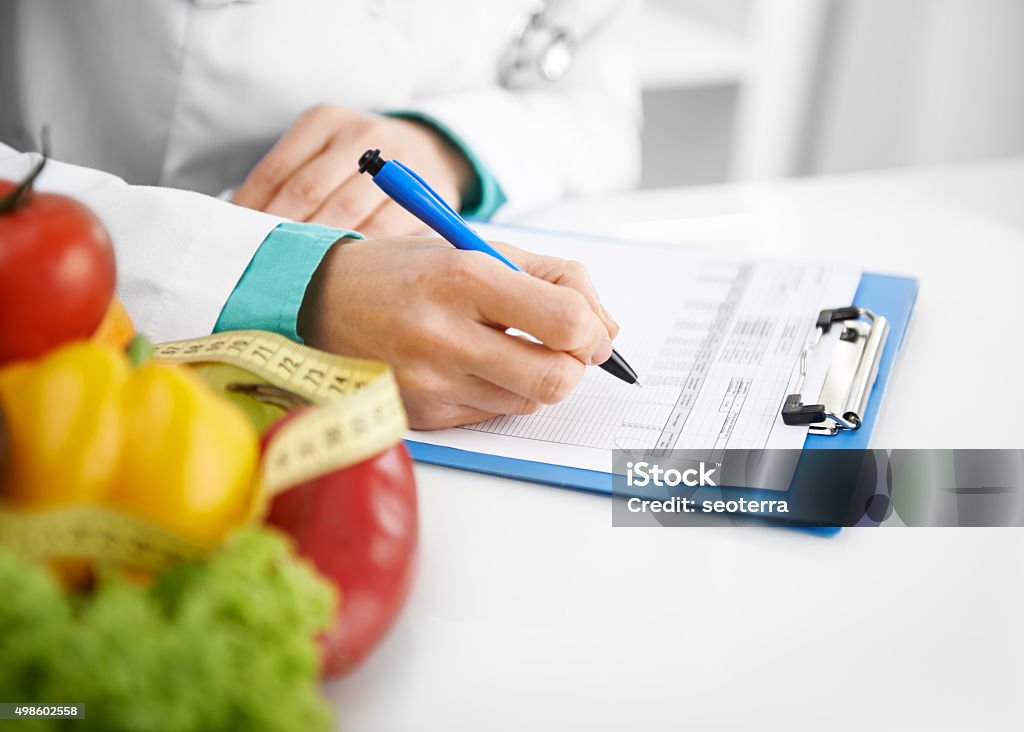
x: 439, y: 315
x: 416, y: 196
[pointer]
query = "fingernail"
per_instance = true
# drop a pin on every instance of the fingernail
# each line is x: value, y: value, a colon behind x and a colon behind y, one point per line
x: 603, y: 352
x: 609, y: 316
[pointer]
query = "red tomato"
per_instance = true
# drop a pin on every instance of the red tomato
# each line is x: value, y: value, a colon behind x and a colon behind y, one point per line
x: 56, y: 273
x: 359, y: 526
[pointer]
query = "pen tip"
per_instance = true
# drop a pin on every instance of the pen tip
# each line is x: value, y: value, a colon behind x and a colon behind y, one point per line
x: 637, y: 383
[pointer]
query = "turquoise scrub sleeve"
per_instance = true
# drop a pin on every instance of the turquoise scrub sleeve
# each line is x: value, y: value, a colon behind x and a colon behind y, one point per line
x: 485, y: 196
x: 270, y: 292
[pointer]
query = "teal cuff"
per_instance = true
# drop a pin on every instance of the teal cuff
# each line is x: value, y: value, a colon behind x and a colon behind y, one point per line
x: 270, y: 292
x: 485, y: 196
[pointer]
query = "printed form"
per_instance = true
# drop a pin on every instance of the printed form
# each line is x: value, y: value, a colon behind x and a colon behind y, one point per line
x: 715, y: 340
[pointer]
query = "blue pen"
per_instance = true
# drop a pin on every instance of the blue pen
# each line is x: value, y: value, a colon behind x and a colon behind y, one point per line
x: 413, y: 194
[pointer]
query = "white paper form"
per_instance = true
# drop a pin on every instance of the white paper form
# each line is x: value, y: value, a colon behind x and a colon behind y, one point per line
x: 715, y: 340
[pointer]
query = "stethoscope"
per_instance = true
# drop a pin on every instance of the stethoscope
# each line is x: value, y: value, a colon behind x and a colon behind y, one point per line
x: 542, y: 50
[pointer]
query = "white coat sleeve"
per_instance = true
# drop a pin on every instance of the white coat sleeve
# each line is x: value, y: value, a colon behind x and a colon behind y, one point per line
x: 179, y: 254
x: 550, y: 140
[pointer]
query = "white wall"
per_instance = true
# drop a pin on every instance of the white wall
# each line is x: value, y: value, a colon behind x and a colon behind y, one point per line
x: 893, y: 83
x: 921, y: 82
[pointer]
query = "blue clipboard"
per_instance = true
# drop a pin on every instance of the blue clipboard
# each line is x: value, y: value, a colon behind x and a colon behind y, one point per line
x: 892, y: 297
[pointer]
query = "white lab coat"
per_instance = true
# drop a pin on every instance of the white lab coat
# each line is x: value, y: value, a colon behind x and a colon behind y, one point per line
x: 179, y: 253
x: 190, y: 94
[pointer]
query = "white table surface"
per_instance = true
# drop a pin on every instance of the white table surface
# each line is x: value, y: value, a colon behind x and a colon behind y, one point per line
x: 531, y: 612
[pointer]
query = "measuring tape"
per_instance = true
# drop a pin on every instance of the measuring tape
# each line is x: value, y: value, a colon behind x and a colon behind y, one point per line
x: 97, y: 533
x: 357, y: 413
x: 359, y: 410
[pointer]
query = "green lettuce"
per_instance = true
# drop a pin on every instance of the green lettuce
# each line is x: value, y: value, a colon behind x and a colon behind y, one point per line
x: 224, y: 644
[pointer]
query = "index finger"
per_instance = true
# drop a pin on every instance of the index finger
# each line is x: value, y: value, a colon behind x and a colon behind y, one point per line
x: 306, y: 139
x: 563, y: 272
x: 559, y: 317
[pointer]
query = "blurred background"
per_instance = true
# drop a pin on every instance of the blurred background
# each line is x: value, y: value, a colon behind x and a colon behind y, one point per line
x: 753, y: 89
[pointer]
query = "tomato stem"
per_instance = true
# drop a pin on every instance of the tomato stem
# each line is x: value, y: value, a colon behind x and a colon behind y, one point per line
x: 140, y: 350
x: 20, y: 195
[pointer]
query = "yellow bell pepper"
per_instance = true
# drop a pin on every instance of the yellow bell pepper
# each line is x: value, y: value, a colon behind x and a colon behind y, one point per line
x: 64, y: 424
x: 155, y: 442
x: 189, y: 456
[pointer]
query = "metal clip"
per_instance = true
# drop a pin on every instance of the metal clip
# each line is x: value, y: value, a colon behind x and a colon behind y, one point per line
x: 851, y: 374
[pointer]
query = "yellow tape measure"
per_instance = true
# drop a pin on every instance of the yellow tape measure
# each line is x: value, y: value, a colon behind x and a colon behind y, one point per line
x: 360, y: 411
x: 94, y: 532
x: 316, y: 375
x: 357, y: 414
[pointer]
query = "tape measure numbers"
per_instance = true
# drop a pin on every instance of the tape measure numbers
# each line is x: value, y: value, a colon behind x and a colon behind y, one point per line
x: 318, y: 376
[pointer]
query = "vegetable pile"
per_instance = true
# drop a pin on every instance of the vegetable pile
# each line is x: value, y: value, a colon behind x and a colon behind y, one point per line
x: 159, y: 564
x: 154, y: 441
x: 223, y: 644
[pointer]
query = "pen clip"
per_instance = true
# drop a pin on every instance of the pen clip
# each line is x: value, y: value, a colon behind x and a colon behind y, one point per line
x: 431, y: 191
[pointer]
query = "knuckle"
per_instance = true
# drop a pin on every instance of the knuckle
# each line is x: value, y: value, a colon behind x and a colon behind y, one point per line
x: 266, y: 175
x: 576, y: 270
x: 430, y: 410
x: 574, y: 319
x: 435, y: 339
x: 556, y: 381
x: 431, y: 341
x: 306, y: 190
x: 466, y: 269
x: 526, y: 406
x: 456, y: 266
x: 319, y: 111
x: 425, y: 415
x: 362, y: 124
x: 402, y: 325
x: 416, y: 385
x: 341, y: 209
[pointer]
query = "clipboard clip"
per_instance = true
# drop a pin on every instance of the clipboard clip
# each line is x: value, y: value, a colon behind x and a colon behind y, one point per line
x: 851, y: 374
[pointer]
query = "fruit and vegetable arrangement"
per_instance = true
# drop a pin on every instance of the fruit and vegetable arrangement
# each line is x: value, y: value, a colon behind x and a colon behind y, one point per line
x: 192, y: 534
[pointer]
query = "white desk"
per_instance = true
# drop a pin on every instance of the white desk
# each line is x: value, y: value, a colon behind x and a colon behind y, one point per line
x: 531, y: 612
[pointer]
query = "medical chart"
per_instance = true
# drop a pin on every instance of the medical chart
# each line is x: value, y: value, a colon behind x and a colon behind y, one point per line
x: 714, y: 338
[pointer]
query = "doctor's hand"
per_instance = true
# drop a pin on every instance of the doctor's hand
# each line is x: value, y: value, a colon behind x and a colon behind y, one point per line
x: 311, y: 173
x: 438, y: 316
